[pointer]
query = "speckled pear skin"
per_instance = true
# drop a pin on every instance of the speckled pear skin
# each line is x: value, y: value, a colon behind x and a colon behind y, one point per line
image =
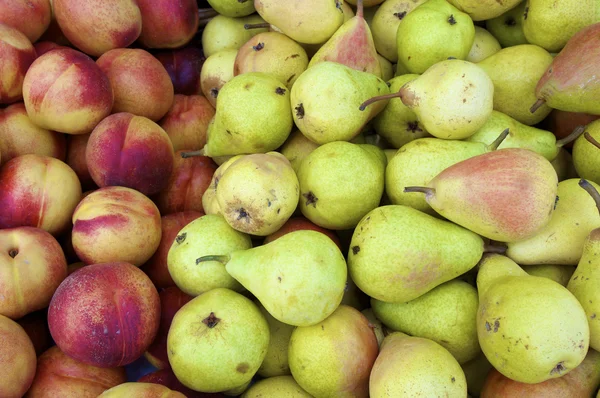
x: 278, y: 386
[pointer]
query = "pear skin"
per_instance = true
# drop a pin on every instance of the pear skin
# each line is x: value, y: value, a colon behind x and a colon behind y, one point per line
x: 558, y: 273
x: 398, y: 253
x: 563, y: 164
x: 334, y: 357
x: 516, y: 333
x: 210, y: 204
x: 232, y: 8
x: 508, y: 27
x: 484, y: 45
x: 216, y: 70
x: 480, y: 10
x: 278, y: 386
x: 276, y: 359
x: 586, y: 153
x: 375, y: 323
x: 476, y: 372
x: 227, y: 33
x: 387, y: 69
x: 296, y: 148
x: 509, y: 197
x: 427, y: 369
x: 297, y: 286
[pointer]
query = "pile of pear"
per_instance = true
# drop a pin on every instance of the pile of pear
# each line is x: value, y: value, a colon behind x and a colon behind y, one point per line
x: 421, y: 134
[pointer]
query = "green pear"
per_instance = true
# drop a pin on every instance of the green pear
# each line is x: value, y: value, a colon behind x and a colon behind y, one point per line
x: 586, y: 153
x: 353, y: 296
x: 340, y: 182
x: 233, y: 8
x: 476, y: 371
x: 427, y: 369
x: 237, y: 391
x: 227, y: 33
x: 515, y: 72
x: 482, y: 10
x: 584, y: 281
x: 558, y: 273
x: 296, y: 148
x: 276, y: 359
x: 216, y: 70
x: 278, y: 386
x: 530, y: 328
x: 375, y: 323
x: 561, y: 240
x: 220, y: 335
x: 316, y: 107
x: 445, y: 314
x: 397, y: 253
x: 297, y: 286
x: 253, y: 115
x: 433, y: 32
x: 419, y: 161
x: 334, y: 357
x: 273, y: 53
x: 397, y: 123
x: 305, y: 21
x: 258, y: 193
x: 550, y: 24
x: 563, y: 164
x: 506, y: 195
x: 385, y: 25
x: 484, y: 45
x: 209, y: 234
x: 387, y: 69
x: 508, y: 27
x: 210, y: 204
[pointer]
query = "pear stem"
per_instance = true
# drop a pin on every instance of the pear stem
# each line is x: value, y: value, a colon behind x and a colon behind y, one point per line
x: 498, y: 141
x: 378, y: 98
x: 592, y: 191
x: 591, y: 140
x: 571, y: 137
x: 192, y: 154
x: 263, y: 25
x: 360, y: 9
x: 494, y: 248
x: 537, y: 105
x: 425, y: 190
x: 222, y: 259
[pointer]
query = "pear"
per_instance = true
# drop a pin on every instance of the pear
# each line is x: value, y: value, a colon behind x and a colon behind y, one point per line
x: 216, y: 70
x: 482, y: 10
x: 561, y: 240
x: 227, y: 33
x: 452, y: 99
x: 398, y: 253
x: 517, y: 334
x: 476, y: 372
x: 297, y: 286
x: 233, y: 8
x: 433, y: 32
x: 508, y: 27
x: 273, y: 53
x: 253, y: 115
x: 387, y: 69
x: 445, y: 314
x: 340, y: 182
x: 397, y: 123
x: 351, y: 45
x: 385, y: 25
x: 484, y: 45
x: 375, y: 324
x: 354, y: 297
x: 276, y: 359
x: 209, y: 234
x: 296, y: 148
x: 319, y: 113
x: 334, y: 357
x: 551, y: 24
x: 563, y: 164
x: 586, y: 153
x: 210, y: 204
x: 305, y: 21
x: 558, y: 273
x: 220, y: 335
x: 505, y: 195
x: 419, y: 161
x: 237, y: 391
x: 278, y: 386
x: 515, y: 72
x: 427, y: 370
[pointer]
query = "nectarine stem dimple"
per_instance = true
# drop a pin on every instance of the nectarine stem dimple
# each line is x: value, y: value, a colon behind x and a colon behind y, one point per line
x: 222, y: 259
x: 263, y: 25
x: 537, y: 105
x: 571, y: 137
x: 592, y: 191
x: 425, y: 190
x: 192, y: 154
x: 494, y: 248
x: 591, y: 140
x: 498, y: 141
x: 378, y: 98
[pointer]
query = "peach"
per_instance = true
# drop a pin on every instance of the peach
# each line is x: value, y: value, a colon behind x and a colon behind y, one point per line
x: 140, y: 83
x: 64, y: 90
x: 299, y: 223
x: 168, y: 23
x: 187, y: 121
x: 42, y: 47
x: 146, y: 390
x: 183, y: 66
x: 59, y: 375
x: 35, y: 325
x: 130, y: 151
x: 189, y: 179
x: 38, y: 191
x: 20, y: 136
x: 97, y: 26
x: 116, y: 224
x: 16, y: 56
x: 31, y: 17
x: 76, y: 145
x: 32, y: 265
x: 156, y: 268
x: 167, y: 378
x: 17, y: 359
x: 171, y: 300
x: 116, y: 310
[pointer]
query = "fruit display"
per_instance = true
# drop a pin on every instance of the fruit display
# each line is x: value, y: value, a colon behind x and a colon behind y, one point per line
x: 309, y: 198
